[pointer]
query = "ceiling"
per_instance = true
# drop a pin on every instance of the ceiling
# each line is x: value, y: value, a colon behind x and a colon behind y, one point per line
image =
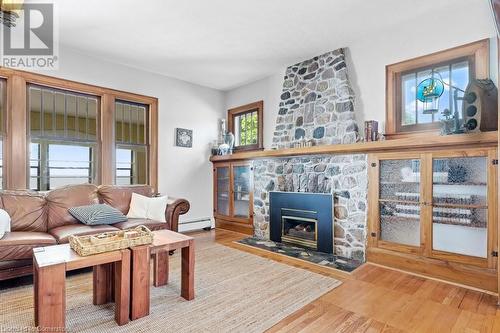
x: 223, y: 44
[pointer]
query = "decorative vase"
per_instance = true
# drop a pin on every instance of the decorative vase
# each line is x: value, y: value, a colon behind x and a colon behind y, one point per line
x: 229, y: 140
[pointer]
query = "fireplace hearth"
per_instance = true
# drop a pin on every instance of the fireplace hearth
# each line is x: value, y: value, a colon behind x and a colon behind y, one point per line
x: 302, y: 219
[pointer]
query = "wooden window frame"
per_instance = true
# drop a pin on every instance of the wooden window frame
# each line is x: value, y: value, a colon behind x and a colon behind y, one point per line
x: 477, y: 53
x: 248, y: 108
x: 16, y: 138
x: 3, y: 121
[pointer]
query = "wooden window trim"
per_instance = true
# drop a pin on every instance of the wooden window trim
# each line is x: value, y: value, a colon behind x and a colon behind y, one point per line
x: 16, y: 136
x: 478, y: 55
x: 256, y: 106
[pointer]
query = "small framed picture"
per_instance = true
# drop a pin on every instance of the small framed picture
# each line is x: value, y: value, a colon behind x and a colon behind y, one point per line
x: 183, y: 137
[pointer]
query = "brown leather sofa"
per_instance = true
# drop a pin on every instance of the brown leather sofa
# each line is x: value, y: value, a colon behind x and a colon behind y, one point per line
x: 41, y: 219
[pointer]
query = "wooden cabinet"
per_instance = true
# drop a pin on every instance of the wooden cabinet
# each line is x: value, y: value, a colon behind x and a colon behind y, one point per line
x: 435, y: 213
x: 233, y: 196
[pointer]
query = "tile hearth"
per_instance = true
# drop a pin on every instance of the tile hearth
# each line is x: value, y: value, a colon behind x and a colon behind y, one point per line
x: 319, y: 258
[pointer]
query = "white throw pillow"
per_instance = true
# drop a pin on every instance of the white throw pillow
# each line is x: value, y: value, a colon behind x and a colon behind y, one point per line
x: 138, y: 207
x: 4, y: 222
x: 142, y: 207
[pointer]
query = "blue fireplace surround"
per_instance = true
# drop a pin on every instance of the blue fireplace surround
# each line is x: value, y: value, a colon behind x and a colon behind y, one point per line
x: 312, y: 206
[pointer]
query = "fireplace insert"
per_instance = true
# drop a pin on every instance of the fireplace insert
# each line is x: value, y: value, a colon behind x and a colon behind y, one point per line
x: 303, y: 219
x: 298, y: 229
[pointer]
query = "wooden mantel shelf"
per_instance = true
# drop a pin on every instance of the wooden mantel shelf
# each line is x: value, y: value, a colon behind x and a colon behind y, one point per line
x: 430, y: 142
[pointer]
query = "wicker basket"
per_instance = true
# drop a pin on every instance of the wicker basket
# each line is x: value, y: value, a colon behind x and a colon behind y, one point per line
x: 110, y: 241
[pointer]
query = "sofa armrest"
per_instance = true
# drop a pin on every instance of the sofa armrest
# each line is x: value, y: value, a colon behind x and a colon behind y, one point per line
x: 175, y: 207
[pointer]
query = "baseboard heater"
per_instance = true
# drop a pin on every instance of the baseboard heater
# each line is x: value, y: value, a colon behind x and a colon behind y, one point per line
x: 202, y: 223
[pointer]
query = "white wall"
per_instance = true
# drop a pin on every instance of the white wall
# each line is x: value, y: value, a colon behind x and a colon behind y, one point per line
x: 182, y: 172
x: 368, y: 55
x: 268, y: 90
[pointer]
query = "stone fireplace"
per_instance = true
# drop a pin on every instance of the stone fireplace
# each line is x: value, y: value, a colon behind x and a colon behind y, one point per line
x: 317, y: 105
x: 342, y: 176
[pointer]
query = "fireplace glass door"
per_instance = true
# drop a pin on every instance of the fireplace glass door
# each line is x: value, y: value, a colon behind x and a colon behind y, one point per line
x: 299, y: 230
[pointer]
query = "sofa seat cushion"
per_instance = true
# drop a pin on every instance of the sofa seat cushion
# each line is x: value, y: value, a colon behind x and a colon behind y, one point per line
x: 62, y: 233
x: 150, y: 224
x: 19, y: 244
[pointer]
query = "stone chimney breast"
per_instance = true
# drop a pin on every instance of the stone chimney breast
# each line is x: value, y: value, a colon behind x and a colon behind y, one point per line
x: 317, y: 103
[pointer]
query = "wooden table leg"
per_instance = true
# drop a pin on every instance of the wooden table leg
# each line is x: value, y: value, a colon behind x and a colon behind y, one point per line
x: 103, y: 284
x: 160, y: 276
x: 140, y: 284
x: 187, y: 280
x: 50, y: 298
x: 35, y: 291
x: 122, y: 288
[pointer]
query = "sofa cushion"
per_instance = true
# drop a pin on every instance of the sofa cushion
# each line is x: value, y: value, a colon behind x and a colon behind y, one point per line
x: 132, y: 223
x: 60, y: 199
x: 62, y: 233
x: 4, y: 222
x: 26, y: 209
x: 142, y: 207
x: 119, y: 196
x: 97, y: 214
x: 19, y: 244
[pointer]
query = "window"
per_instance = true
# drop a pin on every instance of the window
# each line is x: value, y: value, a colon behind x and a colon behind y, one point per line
x: 456, y: 73
x: 245, y: 122
x: 457, y: 66
x: 131, y: 143
x: 63, y: 133
x: 57, y: 132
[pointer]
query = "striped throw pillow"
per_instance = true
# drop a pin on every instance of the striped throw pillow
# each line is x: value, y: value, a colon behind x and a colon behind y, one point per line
x: 97, y: 214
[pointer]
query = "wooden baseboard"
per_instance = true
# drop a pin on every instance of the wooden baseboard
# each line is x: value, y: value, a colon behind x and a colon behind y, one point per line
x: 234, y: 226
x: 481, y: 278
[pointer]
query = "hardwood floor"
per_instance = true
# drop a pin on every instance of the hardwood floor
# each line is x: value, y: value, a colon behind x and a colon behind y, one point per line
x: 376, y: 299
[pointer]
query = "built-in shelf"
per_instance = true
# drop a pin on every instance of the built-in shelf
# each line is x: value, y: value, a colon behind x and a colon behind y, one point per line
x: 431, y: 142
x: 461, y: 184
x: 435, y: 204
x: 408, y: 202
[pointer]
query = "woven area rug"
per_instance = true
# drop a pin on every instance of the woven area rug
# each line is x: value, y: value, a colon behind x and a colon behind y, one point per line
x: 235, y: 292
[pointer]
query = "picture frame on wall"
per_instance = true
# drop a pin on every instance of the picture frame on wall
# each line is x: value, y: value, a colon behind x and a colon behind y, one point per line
x: 184, y: 137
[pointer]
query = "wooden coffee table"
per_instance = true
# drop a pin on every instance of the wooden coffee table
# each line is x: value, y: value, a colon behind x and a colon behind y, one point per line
x: 50, y: 265
x: 163, y: 242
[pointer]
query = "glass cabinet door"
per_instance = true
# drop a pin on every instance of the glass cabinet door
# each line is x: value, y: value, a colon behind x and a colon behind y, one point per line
x: 223, y: 186
x: 460, y: 206
x: 399, y: 201
x: 241, y: 191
